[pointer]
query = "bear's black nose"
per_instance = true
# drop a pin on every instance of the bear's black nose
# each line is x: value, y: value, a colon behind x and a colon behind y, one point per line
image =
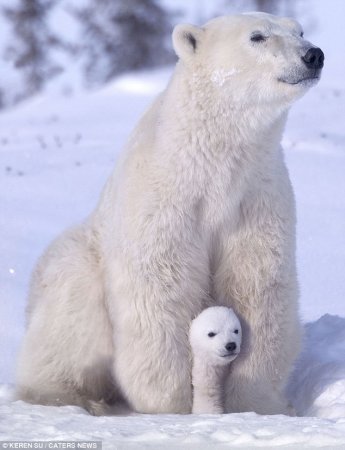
x: 314, y: 58
x: 231, y: 346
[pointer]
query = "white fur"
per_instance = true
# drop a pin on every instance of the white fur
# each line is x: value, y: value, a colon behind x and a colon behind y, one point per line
x: 199, y: 212
x: 210, y: 335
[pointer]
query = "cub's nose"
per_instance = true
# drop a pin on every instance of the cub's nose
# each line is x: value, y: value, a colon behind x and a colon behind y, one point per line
x: 314, y: 58
x: 231, y: 346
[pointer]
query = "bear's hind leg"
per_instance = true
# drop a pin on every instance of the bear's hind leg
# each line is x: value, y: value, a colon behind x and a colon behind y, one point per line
x: 67, y: 353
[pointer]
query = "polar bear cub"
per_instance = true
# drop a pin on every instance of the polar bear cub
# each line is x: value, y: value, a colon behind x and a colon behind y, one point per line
x: 215, y: 337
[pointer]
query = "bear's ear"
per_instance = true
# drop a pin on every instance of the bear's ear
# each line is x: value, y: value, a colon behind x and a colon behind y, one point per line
x: 186, y: 39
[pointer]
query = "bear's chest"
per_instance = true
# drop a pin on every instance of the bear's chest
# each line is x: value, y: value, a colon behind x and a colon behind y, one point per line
x: 219, y: 207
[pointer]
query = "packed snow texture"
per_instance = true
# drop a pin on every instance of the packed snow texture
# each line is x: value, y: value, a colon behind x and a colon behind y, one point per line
x: 56, y: 153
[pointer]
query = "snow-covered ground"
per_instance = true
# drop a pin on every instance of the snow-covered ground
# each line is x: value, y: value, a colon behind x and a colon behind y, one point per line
x: 56, y: 152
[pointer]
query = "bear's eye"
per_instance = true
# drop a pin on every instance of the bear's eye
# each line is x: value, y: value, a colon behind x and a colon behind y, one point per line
x: 236, y: 331
x: 258, y: 37
x: 211, y: 334
x: 301, y: 34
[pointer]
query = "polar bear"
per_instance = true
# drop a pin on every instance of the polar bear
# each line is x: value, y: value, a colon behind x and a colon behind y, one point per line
x: 215, y: 337
x: 199, y: 212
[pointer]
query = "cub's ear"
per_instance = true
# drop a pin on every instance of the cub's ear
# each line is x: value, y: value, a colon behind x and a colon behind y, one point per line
x: 186, y: 40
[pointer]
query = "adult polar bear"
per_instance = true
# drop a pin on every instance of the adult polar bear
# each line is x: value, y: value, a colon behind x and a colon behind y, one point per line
x: 199, y: 212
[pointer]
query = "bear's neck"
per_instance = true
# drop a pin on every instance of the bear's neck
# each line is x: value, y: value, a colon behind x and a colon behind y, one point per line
x: 208, y: 387
x: 198, y: 124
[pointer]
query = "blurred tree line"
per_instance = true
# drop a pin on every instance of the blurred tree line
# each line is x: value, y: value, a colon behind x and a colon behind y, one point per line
x: 114, y: 36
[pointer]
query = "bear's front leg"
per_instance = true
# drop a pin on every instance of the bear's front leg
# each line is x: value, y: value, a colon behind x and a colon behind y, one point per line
x: 157, y: 286
x: 256, y: 276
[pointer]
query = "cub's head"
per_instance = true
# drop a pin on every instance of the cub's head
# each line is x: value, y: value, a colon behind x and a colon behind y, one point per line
x: 215, y: 335
x: 251, y: 57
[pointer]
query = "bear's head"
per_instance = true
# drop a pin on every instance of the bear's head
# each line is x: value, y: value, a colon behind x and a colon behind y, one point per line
x: 215, y: 335
x: 254, y: 57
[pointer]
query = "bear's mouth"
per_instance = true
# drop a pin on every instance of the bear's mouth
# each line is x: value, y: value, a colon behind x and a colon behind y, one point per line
x: 227, y: 355
x: 306, y: 77
x: 300, y: 81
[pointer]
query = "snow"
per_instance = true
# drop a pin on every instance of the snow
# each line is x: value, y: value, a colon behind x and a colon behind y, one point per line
x: 219, y: 77
x: 56, y: 152
x: 317, y: 386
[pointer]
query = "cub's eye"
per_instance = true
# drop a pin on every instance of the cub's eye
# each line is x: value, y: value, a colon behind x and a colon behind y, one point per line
x: 302, y: 34
x: 258, y: 37
x: 211, y: 334
x: 236, y: 331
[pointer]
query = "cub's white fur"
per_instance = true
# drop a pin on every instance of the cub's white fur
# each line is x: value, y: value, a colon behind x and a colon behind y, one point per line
x: 215, y: 337
x: 199, y: 212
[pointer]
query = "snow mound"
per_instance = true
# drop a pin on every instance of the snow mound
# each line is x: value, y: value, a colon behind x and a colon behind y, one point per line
x: 317, y: 387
